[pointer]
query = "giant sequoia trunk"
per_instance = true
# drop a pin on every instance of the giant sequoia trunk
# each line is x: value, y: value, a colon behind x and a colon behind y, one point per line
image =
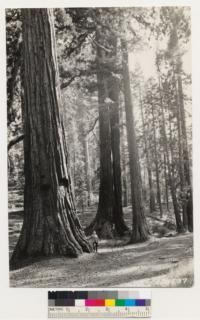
x: 109, y: 219
x: 113, y: 93
x: 51, y: 226
x: 140, y: 229
x: 103, y: 222
x: 116, y: 158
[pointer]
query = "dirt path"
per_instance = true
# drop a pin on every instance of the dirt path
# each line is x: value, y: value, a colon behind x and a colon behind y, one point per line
x: 158, y: 262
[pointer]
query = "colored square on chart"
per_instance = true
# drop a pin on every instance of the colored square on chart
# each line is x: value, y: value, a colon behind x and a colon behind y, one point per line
x: 109, y: 303
x: 130, y: 302
x: 140, y: 303
x: 120, y: 303
x: 100, y: 302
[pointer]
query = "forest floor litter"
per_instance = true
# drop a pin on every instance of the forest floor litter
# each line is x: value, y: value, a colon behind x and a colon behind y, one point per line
x: 164, y: 262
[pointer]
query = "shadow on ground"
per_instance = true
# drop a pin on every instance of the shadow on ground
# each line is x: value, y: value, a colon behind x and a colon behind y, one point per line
x: 165, y: 262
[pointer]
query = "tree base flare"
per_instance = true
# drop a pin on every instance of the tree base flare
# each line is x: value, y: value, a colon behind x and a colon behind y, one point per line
x: 140, y: 234
x: 106, y: 229
x: 136, y: 238
x: 48, y: 243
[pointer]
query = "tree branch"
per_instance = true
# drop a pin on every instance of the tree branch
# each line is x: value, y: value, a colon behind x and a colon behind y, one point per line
x: 67, y: 83
x: 93, y: 126
x: 14, y: 141
x: 99, y: 45
x: 80, y: 74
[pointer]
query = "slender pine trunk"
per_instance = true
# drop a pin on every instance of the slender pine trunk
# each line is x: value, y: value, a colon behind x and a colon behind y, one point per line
x: 179, y: 224
x: 149, y: 169
x: 188, y: 205
x: 156, y: 159
x: 87, y: 168
x: 125, y: 188
x: 181, y: 159
x: 166, y: 181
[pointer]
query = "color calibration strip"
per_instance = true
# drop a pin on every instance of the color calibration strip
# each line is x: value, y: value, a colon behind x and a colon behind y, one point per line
x: 64, y: 304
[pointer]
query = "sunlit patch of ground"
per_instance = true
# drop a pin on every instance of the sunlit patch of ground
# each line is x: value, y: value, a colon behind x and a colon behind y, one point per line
x: 164, y: 262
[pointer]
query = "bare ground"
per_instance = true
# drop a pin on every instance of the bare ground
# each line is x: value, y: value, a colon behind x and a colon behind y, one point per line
x: 159, y: 262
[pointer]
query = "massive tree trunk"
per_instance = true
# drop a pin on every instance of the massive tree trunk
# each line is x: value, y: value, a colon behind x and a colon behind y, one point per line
x: 116, y: 159
x: 103, y: 222
x: 109, y: 220
x: 139, y: 227
x: 51, y: 226
x: 113, y: 93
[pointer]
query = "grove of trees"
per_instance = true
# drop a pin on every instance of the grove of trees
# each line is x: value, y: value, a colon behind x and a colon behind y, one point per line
x: 90, y: 130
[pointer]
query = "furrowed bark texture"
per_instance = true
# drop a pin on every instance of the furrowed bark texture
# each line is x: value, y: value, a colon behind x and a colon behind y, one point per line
x: 103, y: 222
x: 140, y: 229
x: 115, y: 144
x: 113, y: 93
x: 51, y: 226
x: 109, y: 219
